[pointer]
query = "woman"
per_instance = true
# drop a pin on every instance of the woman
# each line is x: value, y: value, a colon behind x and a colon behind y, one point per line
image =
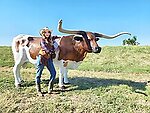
x: 45, y: 58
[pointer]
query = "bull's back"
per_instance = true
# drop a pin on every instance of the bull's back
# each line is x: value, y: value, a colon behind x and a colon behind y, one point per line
x: 29, y: 42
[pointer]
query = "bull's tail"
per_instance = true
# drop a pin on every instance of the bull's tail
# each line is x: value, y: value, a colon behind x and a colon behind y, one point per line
x: 15, y: 46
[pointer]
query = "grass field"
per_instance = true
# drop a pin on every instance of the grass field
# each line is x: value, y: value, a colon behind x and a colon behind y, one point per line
x: 114, y: 81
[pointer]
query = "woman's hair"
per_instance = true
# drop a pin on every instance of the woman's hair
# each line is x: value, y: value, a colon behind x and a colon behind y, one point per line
x: 42, y: 31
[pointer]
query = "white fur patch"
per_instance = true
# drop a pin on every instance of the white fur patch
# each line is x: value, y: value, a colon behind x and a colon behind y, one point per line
x: 24, y: 56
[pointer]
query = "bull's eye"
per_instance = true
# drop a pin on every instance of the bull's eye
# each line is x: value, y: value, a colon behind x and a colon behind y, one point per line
x: 77, y: 38
x: 97, y: 39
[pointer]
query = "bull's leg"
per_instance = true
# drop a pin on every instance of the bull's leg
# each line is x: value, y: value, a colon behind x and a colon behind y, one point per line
x: 63, y: 79
x: 16, y: 71
x: 20, y: 59
x: 66, y: 81
x: 61, y: 72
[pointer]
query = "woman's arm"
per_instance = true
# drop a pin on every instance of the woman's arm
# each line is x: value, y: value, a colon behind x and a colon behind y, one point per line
x: 43, y: 45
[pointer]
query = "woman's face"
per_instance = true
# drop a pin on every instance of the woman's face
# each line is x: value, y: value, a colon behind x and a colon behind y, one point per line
x: 47, y: 33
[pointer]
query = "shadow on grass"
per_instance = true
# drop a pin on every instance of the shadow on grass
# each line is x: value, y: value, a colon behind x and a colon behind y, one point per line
x: 27, y: 83
x: 32, y: 83
x: 84, y: 83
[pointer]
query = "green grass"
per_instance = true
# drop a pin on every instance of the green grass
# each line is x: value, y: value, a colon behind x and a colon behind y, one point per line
x: 6, y: 56
x: 89, y: 92
x: 114, y: 81
x: 132, y: 59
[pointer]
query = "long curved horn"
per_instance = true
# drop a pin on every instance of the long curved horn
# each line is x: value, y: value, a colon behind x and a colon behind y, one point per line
x: 110, y: 37
x: 83, y: 33
x: 66, y: 31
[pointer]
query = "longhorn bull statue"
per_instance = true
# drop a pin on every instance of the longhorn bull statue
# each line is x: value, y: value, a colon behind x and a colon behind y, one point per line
x: 72, y: 50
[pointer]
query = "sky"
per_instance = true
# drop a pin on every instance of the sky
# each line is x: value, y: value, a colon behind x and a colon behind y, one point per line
x: 102, y: 16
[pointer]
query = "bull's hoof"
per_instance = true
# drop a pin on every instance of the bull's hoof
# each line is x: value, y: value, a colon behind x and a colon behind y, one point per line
x: 67, y: 83
x: 62, y: 88
x: 18, y: 86
x: 50, y: 91
x: 40, y: 94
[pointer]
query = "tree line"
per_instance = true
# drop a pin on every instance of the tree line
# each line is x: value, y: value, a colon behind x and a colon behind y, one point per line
x: 131, y: 41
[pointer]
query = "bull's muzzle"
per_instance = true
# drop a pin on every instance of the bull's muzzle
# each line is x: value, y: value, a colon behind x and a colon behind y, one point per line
x: 97, y: 49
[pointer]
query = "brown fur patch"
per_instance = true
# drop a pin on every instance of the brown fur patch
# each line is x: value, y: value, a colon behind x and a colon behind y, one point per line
x: 65, y: 63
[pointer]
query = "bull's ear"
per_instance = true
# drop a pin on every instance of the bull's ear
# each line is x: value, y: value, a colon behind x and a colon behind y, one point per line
x: 97, y: 39
x: 78, y: 38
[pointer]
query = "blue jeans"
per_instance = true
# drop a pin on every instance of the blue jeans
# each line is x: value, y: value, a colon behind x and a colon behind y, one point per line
x: 40, y: 68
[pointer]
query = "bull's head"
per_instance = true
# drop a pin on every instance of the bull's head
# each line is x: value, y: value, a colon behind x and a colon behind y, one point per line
x: 90, y: 39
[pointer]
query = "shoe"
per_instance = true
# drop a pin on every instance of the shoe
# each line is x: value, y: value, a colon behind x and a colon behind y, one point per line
x: 50, y: 87
x: 38, y: 88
